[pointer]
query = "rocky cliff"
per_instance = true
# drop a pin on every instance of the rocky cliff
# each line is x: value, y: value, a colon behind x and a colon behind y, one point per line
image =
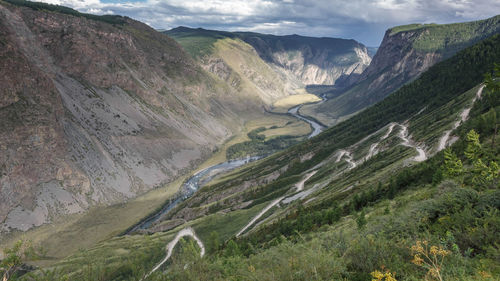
x: 96, y: 110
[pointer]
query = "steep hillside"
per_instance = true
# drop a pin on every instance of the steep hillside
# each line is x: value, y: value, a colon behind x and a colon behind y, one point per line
x: 96, y: 110
x: 236, y: 62
x: 274, y: 64
x: 351, y: 201
x: 405, y: 53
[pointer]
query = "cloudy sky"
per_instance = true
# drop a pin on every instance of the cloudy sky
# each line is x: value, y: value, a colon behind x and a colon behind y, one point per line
x: 363, y: 20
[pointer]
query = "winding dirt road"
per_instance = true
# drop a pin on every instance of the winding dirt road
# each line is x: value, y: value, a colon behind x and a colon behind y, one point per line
x: 443, y: 141
x: 300, y: 184
x: 188, y: 231
x: 260, y: 214
x: 403, y: 135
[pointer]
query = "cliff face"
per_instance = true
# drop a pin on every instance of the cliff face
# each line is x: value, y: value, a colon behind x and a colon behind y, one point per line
x: 313, y: 60
x: 395, y: 61
x: 96, y: 113
x: 405, y: 53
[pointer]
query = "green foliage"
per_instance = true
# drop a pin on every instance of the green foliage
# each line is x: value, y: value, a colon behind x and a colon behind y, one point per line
x: 433, y: 89
x: 323, y: 240
x: 473, y: 150
x: 361, y: 220
x: 480, y: 174
x: 214, y: 242
x: 232, y: 249
x: 14, y: 257
x: 254, y: 134
x: 68, y: 11
x: 453, y: 165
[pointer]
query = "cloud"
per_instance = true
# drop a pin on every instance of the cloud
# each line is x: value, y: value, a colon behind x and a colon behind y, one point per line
x: 363, y: 20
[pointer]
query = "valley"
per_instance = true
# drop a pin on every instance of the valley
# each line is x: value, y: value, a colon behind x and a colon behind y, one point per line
x: 129, y: 153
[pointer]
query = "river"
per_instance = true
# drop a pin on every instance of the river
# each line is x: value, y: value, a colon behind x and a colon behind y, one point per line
x: 204, y: 176
x: 316, y: 127
x: 190, y: 187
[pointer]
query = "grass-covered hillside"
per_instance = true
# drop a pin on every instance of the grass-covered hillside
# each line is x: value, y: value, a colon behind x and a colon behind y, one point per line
x: 374, y: 197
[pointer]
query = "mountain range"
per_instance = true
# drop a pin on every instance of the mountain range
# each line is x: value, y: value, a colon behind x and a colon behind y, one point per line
x: 117, y: 143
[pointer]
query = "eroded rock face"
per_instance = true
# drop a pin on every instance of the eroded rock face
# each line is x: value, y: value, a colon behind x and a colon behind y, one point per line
x: 314, y: 61
x: 397, y: 61
x: 94, y: 113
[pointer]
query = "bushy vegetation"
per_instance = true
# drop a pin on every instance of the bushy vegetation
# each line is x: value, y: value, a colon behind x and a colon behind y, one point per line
x: 259, y: 146
x: 65, y: 10
x: 423, y: 223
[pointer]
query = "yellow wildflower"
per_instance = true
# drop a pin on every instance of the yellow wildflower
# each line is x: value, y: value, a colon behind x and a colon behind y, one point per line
x: 417, y: 260
x: 484, y: 274
x: 378, y: 275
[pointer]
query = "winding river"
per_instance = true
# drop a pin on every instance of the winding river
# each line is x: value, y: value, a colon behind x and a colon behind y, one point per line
x: 204, y: 176
x: 316, y: 127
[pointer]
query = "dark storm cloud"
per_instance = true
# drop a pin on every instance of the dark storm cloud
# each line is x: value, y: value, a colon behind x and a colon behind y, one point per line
x: 362, y: 20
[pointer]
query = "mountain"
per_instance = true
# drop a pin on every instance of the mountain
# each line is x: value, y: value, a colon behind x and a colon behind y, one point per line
x: 96, y: 110
x: 405, y: 53
x: 313, y: 60
x: 274, y: 64
x: 373, y: 194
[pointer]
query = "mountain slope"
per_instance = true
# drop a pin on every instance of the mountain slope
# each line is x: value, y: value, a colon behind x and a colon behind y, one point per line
x: 97, y: 110
x: 285, y: 62
x: 405, y: 53
x: 310, y: 196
